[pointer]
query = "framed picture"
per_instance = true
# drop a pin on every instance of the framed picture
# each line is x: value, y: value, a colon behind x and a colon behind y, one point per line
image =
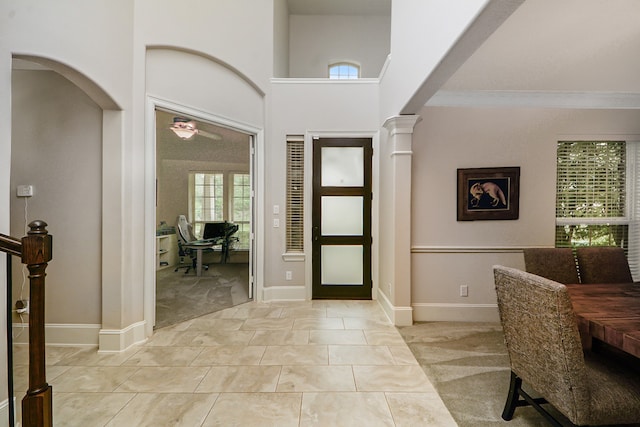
x: 488, y: 193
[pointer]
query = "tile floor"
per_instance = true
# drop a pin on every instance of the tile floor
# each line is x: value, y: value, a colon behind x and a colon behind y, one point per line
x: 317, y: 363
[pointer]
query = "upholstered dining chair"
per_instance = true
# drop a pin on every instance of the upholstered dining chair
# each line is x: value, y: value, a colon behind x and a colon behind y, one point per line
x: 558, y: 264
x: 603, y: 264
x: 545, y: 352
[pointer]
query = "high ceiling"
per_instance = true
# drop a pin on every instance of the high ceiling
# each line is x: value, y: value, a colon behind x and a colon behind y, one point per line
x: 552, y: 45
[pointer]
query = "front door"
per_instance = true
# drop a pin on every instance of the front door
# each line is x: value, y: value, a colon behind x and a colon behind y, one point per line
x: 342, y: 218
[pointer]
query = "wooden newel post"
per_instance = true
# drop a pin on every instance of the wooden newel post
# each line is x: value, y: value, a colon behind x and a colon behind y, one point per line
x: 37, y: 405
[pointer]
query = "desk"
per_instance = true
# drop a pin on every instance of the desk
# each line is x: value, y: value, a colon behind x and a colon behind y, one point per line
x: 199, y: 246
x: 609, y: 313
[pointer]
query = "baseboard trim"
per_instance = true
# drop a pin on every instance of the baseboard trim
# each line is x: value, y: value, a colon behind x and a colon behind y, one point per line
x: 117, y: 340
x: 60, y: 334
x: 399, y: 316
x: 455, y: 312
x: 284, y: 293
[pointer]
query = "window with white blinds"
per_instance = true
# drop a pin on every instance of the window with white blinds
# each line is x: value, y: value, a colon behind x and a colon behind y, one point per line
x: 295, y: 194
x: 592, y: 195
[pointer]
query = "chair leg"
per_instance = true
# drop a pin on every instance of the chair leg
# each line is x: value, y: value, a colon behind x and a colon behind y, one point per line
x: 512, y: 398
x: 513, y: 401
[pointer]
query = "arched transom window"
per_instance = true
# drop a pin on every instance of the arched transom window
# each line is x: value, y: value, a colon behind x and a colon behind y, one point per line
x: 344, y: 70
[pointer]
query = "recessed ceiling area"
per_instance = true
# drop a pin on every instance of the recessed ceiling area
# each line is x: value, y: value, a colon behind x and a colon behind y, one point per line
x: 235, y: 145
x: 550, y: 45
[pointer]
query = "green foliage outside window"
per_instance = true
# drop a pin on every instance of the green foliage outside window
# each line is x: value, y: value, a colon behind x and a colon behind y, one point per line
x: 591, y: 193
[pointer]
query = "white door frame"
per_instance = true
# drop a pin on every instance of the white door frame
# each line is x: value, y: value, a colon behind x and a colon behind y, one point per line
x: 256, y: 251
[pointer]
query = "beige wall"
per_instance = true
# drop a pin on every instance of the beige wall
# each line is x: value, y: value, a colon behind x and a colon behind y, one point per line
x: 447, y: 253
x: 56, y: 147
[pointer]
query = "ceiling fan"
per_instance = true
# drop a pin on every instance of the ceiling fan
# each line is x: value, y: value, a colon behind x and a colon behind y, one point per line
x: 186, y: 128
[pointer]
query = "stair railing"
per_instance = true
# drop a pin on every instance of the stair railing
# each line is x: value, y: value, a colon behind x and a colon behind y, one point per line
x: 35, y: 250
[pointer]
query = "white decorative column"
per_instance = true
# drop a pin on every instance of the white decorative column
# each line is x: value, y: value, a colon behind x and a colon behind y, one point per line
x: 396, y: 170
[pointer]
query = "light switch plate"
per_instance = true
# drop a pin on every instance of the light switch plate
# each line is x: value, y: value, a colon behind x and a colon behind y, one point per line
x: 25, y: 190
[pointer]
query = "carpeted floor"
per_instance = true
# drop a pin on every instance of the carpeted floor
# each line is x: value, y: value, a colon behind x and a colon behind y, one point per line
x: 468, y: 365
x: 181, y: 297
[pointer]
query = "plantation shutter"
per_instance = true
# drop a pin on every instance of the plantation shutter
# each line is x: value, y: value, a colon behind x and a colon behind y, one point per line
x: 295, y: 194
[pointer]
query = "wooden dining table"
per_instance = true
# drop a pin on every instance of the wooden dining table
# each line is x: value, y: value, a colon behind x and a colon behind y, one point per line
x: 609, y: 313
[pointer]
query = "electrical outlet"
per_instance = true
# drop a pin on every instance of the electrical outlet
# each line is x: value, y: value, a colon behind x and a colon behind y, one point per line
x: 464, y: 291
x: 288, y: 275
x: 22, y: 306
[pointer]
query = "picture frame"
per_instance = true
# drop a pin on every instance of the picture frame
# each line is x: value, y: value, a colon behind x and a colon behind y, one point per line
x: 488, y: 193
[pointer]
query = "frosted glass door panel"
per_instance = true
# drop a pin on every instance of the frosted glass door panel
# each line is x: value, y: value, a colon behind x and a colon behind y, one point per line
x: 342, y: 215
x: 342, y: 166
x: 341, y: 265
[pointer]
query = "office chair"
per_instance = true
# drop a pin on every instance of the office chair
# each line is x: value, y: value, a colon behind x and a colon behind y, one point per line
x: 185, y: 237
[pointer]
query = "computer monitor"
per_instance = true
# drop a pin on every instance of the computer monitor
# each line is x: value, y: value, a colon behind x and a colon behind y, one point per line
x: 213, y: 230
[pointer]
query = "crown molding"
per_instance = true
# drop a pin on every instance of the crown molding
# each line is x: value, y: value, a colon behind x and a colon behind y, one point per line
x: 536, y: 99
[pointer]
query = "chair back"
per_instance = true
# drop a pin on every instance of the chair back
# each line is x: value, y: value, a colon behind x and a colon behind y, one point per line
x: 603, y: 264
x: 185, y: 232
x: 542, y: 339
x: 557, y: 264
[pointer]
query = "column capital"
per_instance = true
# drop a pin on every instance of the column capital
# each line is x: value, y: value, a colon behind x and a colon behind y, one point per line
x: 401, y: 124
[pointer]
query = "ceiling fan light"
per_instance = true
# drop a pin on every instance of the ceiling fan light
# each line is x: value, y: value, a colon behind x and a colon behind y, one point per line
x: 185, y: 129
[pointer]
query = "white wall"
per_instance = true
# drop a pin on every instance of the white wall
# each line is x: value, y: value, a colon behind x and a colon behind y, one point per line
x: 422, y: 32
x: 307, y: 108
x: 315, y: 41
x: 447, y: 253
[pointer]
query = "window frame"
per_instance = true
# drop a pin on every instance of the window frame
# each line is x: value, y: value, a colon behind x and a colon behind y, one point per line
x: 227, y: 201
x: 631, y: 216
x: 348, y: 76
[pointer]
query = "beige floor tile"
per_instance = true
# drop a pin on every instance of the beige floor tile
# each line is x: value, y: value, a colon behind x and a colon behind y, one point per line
x: 253, y: 379
x: 265, y: 324
x: 21, y: 354
x: 419, y: 409
x: 345, y: 410
x: 392, y: 378
x: 360, y: 355
x: 227, y: 313
x: 165, y: 409
x: 313, y: 363
x: 303, y: 312
x: 318, y: 323
x: 296, y: 355
x: 87, y: 409
x: 402, y: 355
x: 164, y: 379
x: 384, y: 337
x: 257, y: 312
x: 364, y: 309
x: 92, y: 378
x: 163, y: 356
x: 212, y: 338
x: 230, y: 355
x: 255, y: 410
x: 364, y: 323
x: 316, y: 378
x: 90, y: 357
x: 329, y: 336
x: 55, y: 354
x: 172, y: 338
x: 208, y: 324
x: 287, y: 337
